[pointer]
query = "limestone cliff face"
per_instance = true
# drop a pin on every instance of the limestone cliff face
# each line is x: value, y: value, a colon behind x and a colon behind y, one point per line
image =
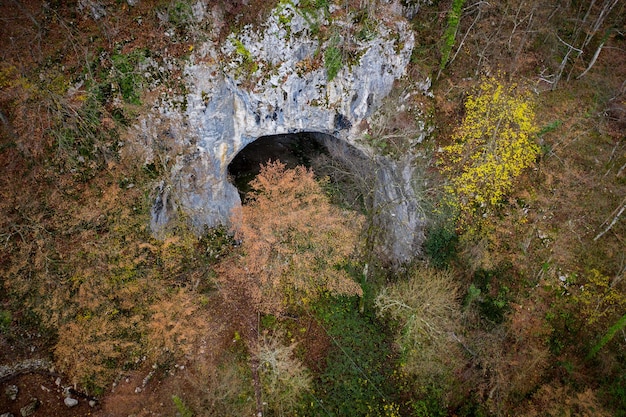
x: 276, y: 80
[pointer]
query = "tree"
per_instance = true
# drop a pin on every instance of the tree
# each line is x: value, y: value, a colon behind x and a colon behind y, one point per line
x: 294, y: 243
x: 294, y: 246
x: 427, y: 309
x: 492, y: 147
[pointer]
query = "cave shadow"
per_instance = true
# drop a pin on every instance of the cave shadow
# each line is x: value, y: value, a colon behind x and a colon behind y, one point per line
x: 345, y: 167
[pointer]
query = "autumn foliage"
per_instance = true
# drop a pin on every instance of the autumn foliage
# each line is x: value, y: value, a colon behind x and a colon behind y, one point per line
x: 491, y: 147
x: 294, y: 242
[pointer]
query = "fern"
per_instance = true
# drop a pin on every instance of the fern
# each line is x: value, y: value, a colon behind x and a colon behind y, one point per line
x: 621, y: 323
x: 181, y: 407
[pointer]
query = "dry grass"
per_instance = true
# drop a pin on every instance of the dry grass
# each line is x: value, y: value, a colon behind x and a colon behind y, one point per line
x: 558, y: 400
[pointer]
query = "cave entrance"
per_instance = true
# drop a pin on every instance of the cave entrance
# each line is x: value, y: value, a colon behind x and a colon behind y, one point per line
x: 291, y: 149
x: 350, y: 172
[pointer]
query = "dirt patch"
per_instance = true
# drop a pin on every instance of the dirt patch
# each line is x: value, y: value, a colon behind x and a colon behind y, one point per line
x: 48, y: 390
x: 141, y: 393
x: 315, y: 344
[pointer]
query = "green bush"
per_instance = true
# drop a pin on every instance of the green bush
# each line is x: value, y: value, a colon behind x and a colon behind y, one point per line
x: 441, y: 246
x: 428, y: 406
x: 310, y: 6
x: 5, y: 319
x: 180, y: 14
x: 492, y: 296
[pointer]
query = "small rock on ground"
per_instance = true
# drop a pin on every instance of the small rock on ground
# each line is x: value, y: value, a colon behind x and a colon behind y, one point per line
x: 30, y: 408
x: 70, y: 402
x: 11, y: 392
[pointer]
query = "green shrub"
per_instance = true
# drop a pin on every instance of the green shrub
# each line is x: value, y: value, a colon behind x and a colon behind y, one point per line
x: 428, y: 406
x: 492, y: 296
x: 441, y: 246
x: 5, y: 319
x: 180, y: 14
x: 550, y: 127
x: 311, y: 6
x: 248, y: 65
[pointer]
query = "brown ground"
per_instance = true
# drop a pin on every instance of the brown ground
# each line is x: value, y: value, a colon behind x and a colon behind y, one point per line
x: 154, y: 399
x: 142, y: 392
x: 44, y: 388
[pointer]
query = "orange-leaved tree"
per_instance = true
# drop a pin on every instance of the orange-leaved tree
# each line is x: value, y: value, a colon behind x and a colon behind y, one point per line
x: 295, y: 243
x: 492, y: 146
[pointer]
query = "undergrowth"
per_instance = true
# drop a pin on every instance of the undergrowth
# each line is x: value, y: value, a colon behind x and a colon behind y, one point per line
x: 357, y: 379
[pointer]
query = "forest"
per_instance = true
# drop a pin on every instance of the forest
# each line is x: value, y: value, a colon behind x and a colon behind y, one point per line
x: 514, y: 303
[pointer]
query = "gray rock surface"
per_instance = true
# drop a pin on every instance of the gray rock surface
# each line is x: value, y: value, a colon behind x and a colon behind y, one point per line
x: 28, y: 365
x: 93, y: 7
x: 273, y: 81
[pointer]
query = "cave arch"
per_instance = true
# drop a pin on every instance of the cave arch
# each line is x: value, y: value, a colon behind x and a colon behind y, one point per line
x: 322, y: 152
x: 380, y: 187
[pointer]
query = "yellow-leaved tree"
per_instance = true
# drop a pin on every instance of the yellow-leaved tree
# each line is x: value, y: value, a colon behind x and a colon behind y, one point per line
x: 294, y: 243
x: 491, y: 147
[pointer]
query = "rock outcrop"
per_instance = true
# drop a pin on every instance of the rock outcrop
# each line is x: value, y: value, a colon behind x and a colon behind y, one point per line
x: 277, y: 79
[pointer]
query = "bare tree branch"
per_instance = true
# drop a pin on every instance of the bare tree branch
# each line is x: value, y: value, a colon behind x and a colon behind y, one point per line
x: 620, y: 210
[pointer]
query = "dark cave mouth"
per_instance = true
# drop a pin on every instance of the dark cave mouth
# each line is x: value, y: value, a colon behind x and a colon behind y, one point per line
x: 292, y: 149
x: 351, y: 174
